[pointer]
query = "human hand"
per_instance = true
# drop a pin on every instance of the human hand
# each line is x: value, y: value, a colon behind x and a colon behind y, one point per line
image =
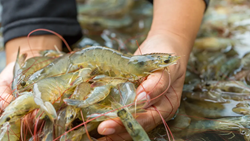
x: 6, y: 77
x: 162, y: 89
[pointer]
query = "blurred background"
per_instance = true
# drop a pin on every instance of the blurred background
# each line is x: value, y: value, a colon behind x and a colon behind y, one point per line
x: 217, y: 82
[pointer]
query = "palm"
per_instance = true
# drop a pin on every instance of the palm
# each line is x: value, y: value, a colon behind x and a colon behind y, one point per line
x: 163, y: 97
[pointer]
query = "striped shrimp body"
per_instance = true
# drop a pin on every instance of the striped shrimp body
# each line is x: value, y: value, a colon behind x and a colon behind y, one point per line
x: 117, y: 64
x: 135, y: 130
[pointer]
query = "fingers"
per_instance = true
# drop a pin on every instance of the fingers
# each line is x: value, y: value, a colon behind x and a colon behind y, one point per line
x: 5, y: 83
x: 153, y: 87
x: 148, y: 120
x: 6, y: 75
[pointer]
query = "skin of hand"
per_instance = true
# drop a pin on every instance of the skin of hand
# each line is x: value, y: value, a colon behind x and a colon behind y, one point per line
x: 174, y: 28
x: 37, y: 43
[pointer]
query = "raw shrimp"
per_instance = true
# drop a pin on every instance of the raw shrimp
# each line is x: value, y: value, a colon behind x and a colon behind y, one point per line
x: 227, y: 68
x: 96, y: 95
x: 52, y: 53
x: 63, y: 86
x: 19, y: 107
x: 209, y: 109
x: 132, y: 126
x: 11, y: 131
x: 222, y: 124
x: 77, y: 135
x: 29, y: 67
x: 58, y: 67
x: 44, y: 94
x: 81, y: 91
x: 117, y: 64
x: 48, y: 131
x: 213, y: 43
x: 227, y: 86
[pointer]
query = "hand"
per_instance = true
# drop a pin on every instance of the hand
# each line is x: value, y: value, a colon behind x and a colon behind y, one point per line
x: 6, y: 77
x: 155, y: 85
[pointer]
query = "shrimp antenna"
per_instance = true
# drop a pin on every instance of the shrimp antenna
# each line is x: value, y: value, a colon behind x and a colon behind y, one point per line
x: 53, y: 32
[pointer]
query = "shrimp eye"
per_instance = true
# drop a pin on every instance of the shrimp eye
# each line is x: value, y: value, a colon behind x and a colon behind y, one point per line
x: 166, y: 61
x: 23, y: 83
x: 8, y: 119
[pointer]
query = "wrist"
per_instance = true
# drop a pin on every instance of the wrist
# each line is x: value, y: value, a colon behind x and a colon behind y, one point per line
x: 173, y: 43
x: 31, y: 48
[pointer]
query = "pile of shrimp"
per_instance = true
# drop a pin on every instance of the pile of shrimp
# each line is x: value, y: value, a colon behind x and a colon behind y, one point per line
x: 70, y: 94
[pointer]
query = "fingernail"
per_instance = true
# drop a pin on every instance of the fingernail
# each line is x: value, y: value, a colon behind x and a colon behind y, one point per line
x: 108, y: 131
x: 143, y: 96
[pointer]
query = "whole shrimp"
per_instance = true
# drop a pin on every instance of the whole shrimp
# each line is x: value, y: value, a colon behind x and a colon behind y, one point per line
x: 108, y: 60
x: 114, y: 63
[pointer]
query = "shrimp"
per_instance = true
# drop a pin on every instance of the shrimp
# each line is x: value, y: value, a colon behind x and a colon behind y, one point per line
x: 52, y: 53
x: 213, y: 43
x: 96, y: 95
x: 19, y: 107
x: 19, y: 61
x: 57, y: 67
x: 117, y: 64
x: 222, y: 124
x: 132, y: 126
x: 60, y: 122
x: 48, y: 131
x: 242, y: 108
x: 81, y: 91
x: 227, y: 68
x: 77, y: 135
x: 11, y: 131
x: 227, y: 86
x: 209, y: 109
x: 29, y: 67
x: 44, y: 94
